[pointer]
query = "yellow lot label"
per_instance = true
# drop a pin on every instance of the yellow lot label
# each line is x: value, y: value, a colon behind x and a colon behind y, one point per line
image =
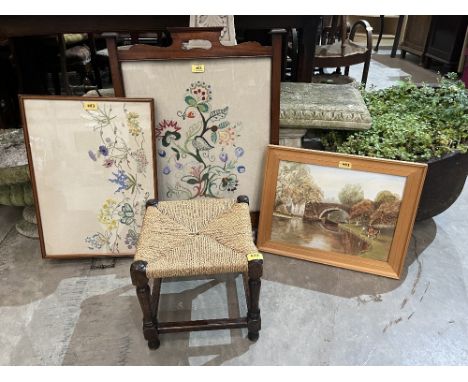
x: 254, y: 256
x: 90, y: 105
x: 198, y: 68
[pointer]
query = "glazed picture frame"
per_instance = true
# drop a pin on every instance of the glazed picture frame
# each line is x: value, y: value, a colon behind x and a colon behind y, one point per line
x: 217, y: 110
x: 92, y: 167
x: 342, y: 210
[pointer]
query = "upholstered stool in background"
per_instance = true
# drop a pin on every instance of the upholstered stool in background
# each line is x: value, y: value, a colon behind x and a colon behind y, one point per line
x: 193, y: 238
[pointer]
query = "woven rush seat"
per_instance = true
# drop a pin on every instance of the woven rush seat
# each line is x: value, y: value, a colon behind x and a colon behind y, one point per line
x: 196, y: 237
x: 339, y: 50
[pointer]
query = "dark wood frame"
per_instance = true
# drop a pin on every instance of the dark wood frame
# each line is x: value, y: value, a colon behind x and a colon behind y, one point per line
x: 414, y: 173
x: 149, y: 302
x: 142, y: 52
x: 22, y: 98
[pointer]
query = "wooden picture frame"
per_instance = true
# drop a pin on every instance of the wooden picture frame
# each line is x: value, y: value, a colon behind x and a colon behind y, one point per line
x: 92, y: 166
x: 343, y: 210
x: 176, y: 61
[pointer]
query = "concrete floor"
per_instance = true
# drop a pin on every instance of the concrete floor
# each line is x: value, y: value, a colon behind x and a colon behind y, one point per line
x: 64, y: 313
x: 384, y: 71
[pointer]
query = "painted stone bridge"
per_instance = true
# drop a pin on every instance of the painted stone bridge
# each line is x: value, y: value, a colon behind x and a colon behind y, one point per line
x: 317, y: 211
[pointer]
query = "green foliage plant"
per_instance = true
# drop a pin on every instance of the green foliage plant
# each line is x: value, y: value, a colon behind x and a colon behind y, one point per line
x: 410, y: 123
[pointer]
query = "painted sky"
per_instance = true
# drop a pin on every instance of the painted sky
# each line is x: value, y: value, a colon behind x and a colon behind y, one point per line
x: 331, y: 180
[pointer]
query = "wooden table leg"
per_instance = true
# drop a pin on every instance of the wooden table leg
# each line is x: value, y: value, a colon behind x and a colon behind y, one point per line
x: 307, y: 43
x: 382, y: 18
x: 396, y: 41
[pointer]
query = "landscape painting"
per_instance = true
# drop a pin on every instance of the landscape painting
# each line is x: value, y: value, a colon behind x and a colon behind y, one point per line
x: 337, y: 210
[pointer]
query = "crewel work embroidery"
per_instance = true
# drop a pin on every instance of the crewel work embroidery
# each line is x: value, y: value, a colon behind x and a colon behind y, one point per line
x: 203, y: 159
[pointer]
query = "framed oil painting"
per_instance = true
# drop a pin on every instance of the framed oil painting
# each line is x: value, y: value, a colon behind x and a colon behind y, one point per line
x: 343, y: 210
x: 92, y: 169
x: 217, y: 110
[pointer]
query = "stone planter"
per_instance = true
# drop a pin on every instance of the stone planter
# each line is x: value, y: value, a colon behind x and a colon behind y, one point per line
x: 444, y: 182
x: 15, y: 187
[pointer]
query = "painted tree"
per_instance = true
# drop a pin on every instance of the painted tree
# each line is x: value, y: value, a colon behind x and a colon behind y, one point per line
x: 351, y: 194
x: 362, y: 211
x: 295, y: 187
x: 385, y: 197
x: 386, y: 214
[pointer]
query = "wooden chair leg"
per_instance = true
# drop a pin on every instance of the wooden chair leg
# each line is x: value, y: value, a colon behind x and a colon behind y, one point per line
x: 253, y: 315
x: 382, y: 19
x: 365, y: 71
x: 94, y: 64
x: 56, y: 82
x: 63, y: 64
x: 396, y: 40
x: 155, y: 295
x: 140, y: 280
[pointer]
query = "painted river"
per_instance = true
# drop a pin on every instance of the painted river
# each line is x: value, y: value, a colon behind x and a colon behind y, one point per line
x: 318, y: 235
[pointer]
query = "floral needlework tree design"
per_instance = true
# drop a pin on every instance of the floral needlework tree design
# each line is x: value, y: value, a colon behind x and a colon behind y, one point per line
x: 199, y: 148
x: 120, y: 149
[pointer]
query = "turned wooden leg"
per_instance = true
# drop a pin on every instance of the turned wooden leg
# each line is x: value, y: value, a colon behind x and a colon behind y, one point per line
x: 253, y: 314
x: 243, y: 199
x: 150, y: 324
x: 155, y: 295
x: 151, y: 203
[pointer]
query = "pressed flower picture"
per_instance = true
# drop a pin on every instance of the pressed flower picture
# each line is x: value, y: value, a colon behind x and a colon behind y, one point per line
x: 93, y: 171
x: 120, y: 215
x: 211, y: 128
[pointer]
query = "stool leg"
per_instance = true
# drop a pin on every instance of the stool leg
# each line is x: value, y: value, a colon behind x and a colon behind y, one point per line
x: 156, y: 294
x: 253, y: 315
x: 140, y: 280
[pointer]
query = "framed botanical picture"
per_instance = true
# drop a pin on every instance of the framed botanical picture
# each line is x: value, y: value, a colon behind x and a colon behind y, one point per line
x: 343, y: 210
x: 217, y: 110
x: 92, y: 169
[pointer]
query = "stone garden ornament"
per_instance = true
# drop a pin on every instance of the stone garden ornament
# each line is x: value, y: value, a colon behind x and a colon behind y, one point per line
x: 15, y: 186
